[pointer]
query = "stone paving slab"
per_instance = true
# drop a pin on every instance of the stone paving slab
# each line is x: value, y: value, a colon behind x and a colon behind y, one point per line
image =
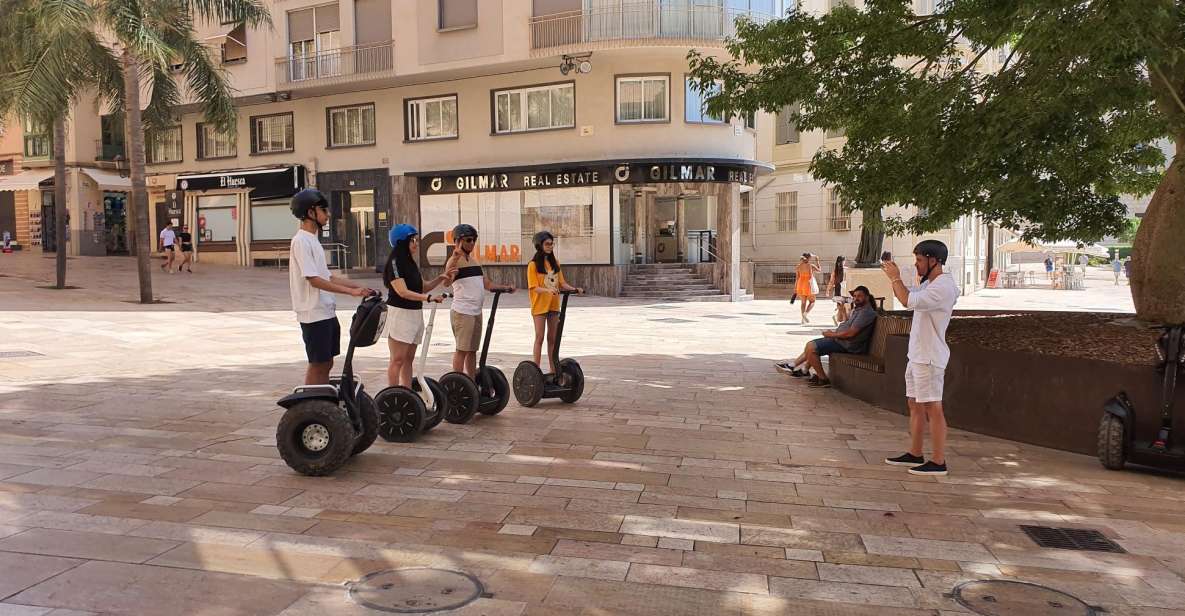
x: 138, y: 474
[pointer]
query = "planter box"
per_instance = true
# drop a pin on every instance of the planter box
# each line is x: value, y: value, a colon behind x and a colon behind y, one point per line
x: 1018, y: 395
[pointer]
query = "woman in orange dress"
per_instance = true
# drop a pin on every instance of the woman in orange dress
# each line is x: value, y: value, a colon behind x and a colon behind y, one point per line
x: 805, y: 286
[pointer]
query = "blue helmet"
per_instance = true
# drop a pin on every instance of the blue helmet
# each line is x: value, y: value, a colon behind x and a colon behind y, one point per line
x: 401, y: 232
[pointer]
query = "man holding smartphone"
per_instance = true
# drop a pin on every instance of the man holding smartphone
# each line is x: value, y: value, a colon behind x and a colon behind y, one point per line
x: 932, y: 303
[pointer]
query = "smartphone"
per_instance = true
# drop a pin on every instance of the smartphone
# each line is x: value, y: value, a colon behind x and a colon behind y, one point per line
x: 886, y: 256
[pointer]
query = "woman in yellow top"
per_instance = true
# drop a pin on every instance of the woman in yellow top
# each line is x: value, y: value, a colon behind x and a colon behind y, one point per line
x: 545, y: 282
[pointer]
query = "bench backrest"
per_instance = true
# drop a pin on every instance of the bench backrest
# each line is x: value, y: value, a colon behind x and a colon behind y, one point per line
x: 886, y: 326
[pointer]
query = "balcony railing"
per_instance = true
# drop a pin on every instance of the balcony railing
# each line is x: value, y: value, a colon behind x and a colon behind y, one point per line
x: 841, y: 223
x: 638, y: 22
x: 336, y: 65
x: 108, y: 151
x: 38, y: 146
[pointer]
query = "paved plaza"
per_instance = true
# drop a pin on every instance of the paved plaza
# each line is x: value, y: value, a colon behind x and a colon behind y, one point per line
x: 139, y: 474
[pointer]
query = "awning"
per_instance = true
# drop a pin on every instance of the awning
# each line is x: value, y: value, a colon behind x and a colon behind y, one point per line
x: 1019, y: 245
x: 264, y: 183
x: 29, y: 179
x: 109, y: 181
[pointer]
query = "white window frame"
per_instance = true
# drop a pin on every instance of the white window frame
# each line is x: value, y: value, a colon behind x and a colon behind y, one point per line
x: 524, y: 111
x: 224, y: 145
x: 786, y: 211
x: 310, y: 58
x: 642, y: 80
x: 416, y: 111
x: 289, y: 133
x: 839, y: 220
x: 361, y: 128
x: 703, y: 117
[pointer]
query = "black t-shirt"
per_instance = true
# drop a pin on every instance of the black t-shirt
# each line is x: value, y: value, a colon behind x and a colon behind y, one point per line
x: 414, y: 282
x: 186, y: 240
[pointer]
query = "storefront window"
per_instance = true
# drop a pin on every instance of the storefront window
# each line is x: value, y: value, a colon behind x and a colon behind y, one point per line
x: 218, y: 218
x: 506, y: 221
x: 271, y: 220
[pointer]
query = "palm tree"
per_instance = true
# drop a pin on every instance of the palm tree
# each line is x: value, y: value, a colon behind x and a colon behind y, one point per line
x: 124, y: 48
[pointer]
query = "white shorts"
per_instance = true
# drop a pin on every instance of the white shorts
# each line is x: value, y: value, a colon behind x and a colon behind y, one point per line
x: 405, y: 325
x: 923, y: 382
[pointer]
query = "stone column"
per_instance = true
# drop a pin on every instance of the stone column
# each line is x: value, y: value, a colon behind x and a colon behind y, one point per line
x: 728, y: 239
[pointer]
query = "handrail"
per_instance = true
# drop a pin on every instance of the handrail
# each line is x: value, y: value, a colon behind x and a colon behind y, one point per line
x: 638, y: 20
x: 334, y: 65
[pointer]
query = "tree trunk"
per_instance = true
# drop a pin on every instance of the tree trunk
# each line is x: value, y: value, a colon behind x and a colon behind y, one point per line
x: 1158, y: 261
x: 872, y: 237
x: 139, y: 197
x: 59, y: 199
x: 990, y: 254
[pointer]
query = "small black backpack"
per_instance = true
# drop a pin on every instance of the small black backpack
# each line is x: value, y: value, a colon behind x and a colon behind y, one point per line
x: 369, y: 322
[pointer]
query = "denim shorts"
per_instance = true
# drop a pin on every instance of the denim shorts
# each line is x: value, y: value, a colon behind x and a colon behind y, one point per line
x: 827, y: 346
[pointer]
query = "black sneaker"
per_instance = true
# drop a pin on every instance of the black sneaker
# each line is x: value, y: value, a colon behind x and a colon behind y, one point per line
x: 784, y: 367
x: 818, y: 382
x: 929, y: 468
x: 799, y: 373
x: 905, y: 459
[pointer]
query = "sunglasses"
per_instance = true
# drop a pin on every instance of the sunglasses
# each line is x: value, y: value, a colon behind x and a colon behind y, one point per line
x: 469, y: 239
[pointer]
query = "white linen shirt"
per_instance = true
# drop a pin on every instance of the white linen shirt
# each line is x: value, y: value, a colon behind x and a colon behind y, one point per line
x: 932, y: 304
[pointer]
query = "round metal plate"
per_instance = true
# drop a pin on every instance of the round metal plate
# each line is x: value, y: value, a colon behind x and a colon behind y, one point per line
x: 1006, y: 598
x: 315, y: 437
x: 416, y: 590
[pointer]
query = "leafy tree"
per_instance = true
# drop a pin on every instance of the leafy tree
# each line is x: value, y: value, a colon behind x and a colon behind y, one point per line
x: 126, y: 48
x: 1034, y: 114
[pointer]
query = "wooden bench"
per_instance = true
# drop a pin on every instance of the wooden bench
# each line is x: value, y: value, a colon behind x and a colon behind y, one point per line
x: 874, y: 360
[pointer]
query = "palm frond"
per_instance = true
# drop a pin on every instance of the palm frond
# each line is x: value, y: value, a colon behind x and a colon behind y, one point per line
x: 209, y: 85
x: 251, y: 12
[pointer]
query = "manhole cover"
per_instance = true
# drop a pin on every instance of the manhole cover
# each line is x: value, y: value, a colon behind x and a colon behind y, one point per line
x: 14, y: 354
x: 416, y: 590
x: 1007, y: 598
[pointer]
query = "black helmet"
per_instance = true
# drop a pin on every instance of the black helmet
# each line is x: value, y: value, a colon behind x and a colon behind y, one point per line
x: 463, y: 231
x: 541, y: 237
x: 306, y: 200
x: 931, y: 248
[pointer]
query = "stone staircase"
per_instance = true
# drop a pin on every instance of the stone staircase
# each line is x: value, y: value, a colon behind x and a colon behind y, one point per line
x: 670, y: 282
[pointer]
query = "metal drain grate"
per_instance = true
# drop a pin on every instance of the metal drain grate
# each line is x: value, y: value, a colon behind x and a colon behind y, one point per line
x: 15, y: 354
x: 1071, y: 539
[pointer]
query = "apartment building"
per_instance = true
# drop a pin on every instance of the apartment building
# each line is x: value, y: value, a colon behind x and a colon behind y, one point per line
x: 789, y: 212
x: 575, y: 116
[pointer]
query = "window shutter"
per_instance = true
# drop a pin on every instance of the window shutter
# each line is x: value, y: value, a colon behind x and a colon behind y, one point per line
x: 328, y: 18
x: 300, y: 25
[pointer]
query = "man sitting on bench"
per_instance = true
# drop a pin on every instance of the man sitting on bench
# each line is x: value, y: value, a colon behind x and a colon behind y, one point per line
x: 851, y: 336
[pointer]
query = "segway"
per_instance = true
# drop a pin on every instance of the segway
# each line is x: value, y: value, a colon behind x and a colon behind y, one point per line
x: 1117, y: 444
x: 404, y: 413
x: 489, y: 394
x: 565, y: 382
x: 324, y: 425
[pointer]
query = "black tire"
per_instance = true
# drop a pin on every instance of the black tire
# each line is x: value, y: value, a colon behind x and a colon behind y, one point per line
x: 440, y: 403
x: 497, y: 388
x: 1111, y: 442
x: 315, y: 437
x: 573, y: 377
x: 370, y: 424
x: 462, y: 396
x: 528, y: 384
x: 401, y: 414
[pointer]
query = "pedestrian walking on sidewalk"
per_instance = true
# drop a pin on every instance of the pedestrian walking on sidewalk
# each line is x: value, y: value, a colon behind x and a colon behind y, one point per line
x: 1117, y: 268
x: 805, y: 285
x: 932, y: 303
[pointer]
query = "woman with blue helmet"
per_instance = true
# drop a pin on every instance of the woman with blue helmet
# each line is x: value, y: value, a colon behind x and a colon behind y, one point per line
x: 406, y: 293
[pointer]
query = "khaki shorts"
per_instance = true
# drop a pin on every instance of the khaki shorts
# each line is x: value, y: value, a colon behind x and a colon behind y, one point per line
x: 467, y: 330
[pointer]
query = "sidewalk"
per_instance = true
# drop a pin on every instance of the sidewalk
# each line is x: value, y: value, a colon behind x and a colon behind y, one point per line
x: 139, y: 475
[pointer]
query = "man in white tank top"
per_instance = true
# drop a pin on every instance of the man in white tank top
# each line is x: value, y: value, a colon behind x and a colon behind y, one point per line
x: 469, y: 289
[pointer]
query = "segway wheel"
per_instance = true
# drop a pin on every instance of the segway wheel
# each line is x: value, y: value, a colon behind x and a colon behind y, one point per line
x: 370, y: 424
x: 401, y: 414
x: 573, y: 379
x: 1111, y: 442
x: 494, y: 388
x: 462, y: 396
x: 315, y: 437
x: 440, y: 403
x: 528, y: 384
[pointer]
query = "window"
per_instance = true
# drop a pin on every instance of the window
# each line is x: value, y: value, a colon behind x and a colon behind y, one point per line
x: 314, y: 42
x: 695, y: 103
x: 38, y: 139
x: 234, y: 47
x: 838, y: 3
x: 761, y: 7
x: 750, y: 120
x: 111, y: 138
x: 271, y: 220
x: 431, y: 118
x: 746, y: 213
x: 923, y: 7
x: 213, y: 143
x: 272, y: 133
x: 457, y: 14
x: 350, y: 126
x: 787, y: 211
x: 836, y: 133
x: 163, y: 146
x: 535, y: 108
x: 217, y: 220
x: 643, y: 99
x: 840, y: 219
x: 787, y: 129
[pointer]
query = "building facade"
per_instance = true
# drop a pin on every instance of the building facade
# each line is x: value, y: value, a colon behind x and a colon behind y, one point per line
x: 575, y: 116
